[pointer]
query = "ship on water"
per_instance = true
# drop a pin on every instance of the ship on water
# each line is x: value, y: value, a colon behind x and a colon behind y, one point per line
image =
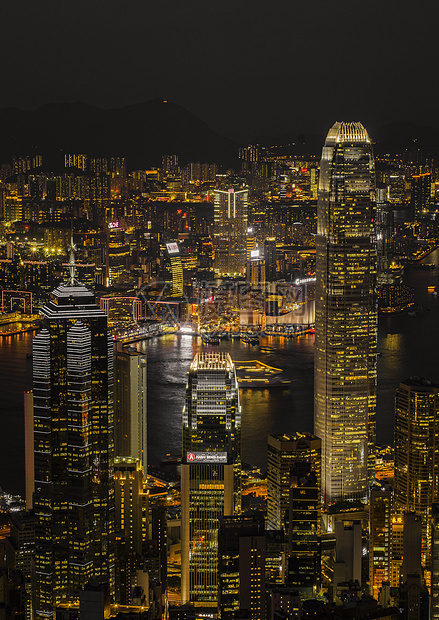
x: 256, y: 374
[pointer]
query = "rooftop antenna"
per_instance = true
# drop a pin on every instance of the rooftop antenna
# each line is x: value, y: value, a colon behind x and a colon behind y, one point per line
x: 72, y: 264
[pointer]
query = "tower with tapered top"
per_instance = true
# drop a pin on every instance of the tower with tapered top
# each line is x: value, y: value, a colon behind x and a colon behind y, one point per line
x: 346, y: 313
x: 73, y: 438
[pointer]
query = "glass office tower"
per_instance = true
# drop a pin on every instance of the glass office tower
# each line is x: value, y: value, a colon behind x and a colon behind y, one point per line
x: 230, y: 231
x: 210, y: 471
x: 346, y: 314
x: 73, y: 438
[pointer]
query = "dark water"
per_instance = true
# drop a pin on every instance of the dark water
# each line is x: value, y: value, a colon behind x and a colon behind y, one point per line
x: 408, y: 346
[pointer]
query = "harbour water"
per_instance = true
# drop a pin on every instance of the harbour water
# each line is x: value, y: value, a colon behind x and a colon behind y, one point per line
x: 407, y: 346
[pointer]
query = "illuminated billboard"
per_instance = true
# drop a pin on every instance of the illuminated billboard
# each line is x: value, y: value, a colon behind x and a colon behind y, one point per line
x: 206, y: 457
x: 112, y: 225
x: 254, y: 253
x: 300, y: 281
x: 172, y: 248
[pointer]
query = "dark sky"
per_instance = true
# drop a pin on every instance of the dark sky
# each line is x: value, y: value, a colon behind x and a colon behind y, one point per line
x: 245, y: 67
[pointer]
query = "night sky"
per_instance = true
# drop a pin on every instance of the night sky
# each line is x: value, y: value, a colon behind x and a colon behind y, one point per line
x: 247, y: 68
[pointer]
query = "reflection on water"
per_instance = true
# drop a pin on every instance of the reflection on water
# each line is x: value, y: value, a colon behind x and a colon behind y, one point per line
x: 407, y: 346
x: 391, y: 342
x: 264, y: 411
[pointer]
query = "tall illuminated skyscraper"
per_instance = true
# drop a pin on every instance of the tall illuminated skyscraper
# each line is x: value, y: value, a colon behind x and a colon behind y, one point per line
x: 230, y: 231
x: 346, y: 314
x: 174, y: 259
x: 73, y: 422
x: 210, y: 471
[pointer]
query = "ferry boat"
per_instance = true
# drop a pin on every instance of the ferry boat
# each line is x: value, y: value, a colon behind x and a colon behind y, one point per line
x: 210, y: 339
x: 249, y: 339
x: 423, y: 266
x: 267, y: 349
x: 256, y: 374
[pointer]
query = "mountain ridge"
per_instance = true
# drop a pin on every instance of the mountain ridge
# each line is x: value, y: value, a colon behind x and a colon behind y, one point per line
x: 143, y: 132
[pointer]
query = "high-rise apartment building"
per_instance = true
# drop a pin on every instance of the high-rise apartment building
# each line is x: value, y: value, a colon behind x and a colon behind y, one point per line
x: 230, y: 231
x: 75, y: 161
x: 283, y: 452
x: 130, y: 399
x: 210, y: 471
x: 416, y: 450
x: 346, y: 315
x: 73, y: 418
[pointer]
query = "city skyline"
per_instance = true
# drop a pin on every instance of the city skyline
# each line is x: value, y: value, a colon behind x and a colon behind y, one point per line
x: 194, y: 526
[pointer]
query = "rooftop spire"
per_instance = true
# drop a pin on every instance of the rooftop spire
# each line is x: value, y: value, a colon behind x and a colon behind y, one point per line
x: 72, y: 264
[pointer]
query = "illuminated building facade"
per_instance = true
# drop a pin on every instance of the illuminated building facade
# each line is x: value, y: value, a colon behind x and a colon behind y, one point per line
x: 119, y: 308
x: 73, y: 435
x: 242, y: 566
x: 256, y: 269
x: 230, y: 231
x: 380, y: 537
x: 38, y: 274
x: 131, y: 503
x: 283, y: 452
x: 434, y: 609
x: 416, y: 450
x: 395, y: 297
x: 174, y: 258
x: 304, y: 542
x: 270, y: 259
x: 346, y: 315
x: 210, y: 471
x: 130, y: 399
x: 118, y: 252
x: 75, y: 161
x: 420, y: 198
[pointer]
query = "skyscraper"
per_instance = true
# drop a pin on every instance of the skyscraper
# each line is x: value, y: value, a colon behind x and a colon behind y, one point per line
x: 380, y: 537
x: 176, y: 268
x: 210, y: 471
x: 270, y: 258
x: 117, y: 252
x: 304, y: 542
x: 73, y: 417
x: 242, y: 566
x: 434, y: 613
x: 346, y: 315
x: 131, y: 502
x: 420, y: 193
x: 256, y: 270
x: 283, y: 452
x: 416, y: 449
x: 131, y: 521
x: 230, y: 231
x: 130, y: 405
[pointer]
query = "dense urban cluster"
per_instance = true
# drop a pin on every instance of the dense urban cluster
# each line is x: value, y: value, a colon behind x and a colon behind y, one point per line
x: 94, y: 257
